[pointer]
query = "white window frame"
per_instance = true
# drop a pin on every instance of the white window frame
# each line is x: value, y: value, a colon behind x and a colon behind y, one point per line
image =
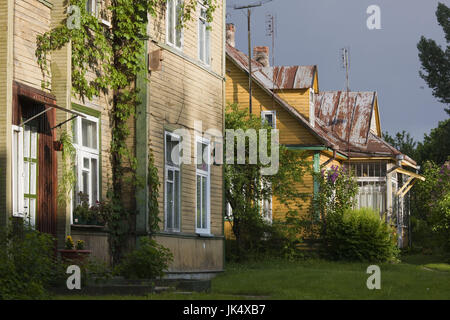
x: 207, y: 175
x: 203, y: 24
x: 18, y: 201
x: 174, y: 31
x: 83, y: 152
x: 274, y: 117
x: 175, y: 168
x: 94, y: 6
x: 267, y: 217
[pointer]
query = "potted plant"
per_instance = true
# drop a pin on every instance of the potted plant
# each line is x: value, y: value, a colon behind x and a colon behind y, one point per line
x: 74, y: 253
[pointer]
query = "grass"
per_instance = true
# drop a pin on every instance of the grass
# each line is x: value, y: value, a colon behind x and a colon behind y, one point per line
x: 414, y: 278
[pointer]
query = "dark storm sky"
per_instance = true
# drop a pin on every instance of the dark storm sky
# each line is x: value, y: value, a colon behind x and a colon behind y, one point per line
x: 313, y: 31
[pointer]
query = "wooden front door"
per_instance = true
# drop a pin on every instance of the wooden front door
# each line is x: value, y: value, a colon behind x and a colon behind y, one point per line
x: 40, y: 169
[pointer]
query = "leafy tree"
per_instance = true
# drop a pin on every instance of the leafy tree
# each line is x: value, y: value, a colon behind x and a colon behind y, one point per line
x: 435, y: 146
x: 402, y: 142
x: 246, y: 187
x: 436, y: 60
x: 431, y: 207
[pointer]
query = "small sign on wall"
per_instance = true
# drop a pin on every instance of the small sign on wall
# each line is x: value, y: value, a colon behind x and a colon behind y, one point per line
x: 155, y: 59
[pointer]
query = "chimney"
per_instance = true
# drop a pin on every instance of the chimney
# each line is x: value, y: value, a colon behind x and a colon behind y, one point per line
x: 261, y: 54
x: 230, y: 34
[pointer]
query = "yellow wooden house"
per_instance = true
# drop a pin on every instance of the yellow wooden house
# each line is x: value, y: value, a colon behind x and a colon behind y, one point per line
x: 335, y: 128
x: 182, y: 84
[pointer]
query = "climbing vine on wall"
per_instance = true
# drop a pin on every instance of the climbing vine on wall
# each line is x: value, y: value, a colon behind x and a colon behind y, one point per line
x: 107, y: 59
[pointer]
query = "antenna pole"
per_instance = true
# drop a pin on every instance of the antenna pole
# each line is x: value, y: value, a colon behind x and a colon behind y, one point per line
x: 250, y: 76
x: 249, y: 60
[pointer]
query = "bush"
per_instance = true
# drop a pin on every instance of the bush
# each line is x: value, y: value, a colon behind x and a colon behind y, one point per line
x: 28, y: 265
x: 148, y: 261
x: 360, y: 235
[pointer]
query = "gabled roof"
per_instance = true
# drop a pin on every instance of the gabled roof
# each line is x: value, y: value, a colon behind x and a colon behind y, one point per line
x: 342, y: 121
x: 260, y: 77
x: 347, y: 115
x: 292, y: 77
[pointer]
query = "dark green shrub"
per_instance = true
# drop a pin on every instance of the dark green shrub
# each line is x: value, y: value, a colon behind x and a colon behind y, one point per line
x: 360, y: 235
x: 148, y: 261
x: 27, y: 263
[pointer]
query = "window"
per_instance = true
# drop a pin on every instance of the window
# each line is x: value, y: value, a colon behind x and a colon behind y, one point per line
x: 204, y: 37
x: 87, y: 165
x: 270, y: 117
x: 172, y: 182
x: 30, y: 172
x: 18, y: 181
x: 174, y: 34
x: 371, y: 177
x: 266, y: 206
x: 91, y: 7
x: 203, y: 155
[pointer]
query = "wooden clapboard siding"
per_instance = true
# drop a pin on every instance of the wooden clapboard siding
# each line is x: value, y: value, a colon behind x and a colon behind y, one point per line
x: 183, y: 92
x: 306, y: 187
x: 291, y: 131
x: 6, y: 94
x: 324, y: 158
x: 298, y: 98
x: 31, y: 18
x: 157, y: 32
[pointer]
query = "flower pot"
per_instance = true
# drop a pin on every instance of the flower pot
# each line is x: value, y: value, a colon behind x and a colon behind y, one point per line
x: 75, y: 256
x: 57, y: 145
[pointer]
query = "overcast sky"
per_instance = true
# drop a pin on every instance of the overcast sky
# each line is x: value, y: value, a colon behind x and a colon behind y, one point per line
x: 313, y: 31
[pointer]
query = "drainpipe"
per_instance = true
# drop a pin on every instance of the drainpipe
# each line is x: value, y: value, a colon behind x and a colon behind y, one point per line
x: 141, y: 134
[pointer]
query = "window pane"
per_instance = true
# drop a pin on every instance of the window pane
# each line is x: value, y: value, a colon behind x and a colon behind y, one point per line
x: 32, y: 212
x: 204, y: 202
x: 89, y: 133
x: 33, y: 173
x: 26, y: 173
x: 177, y: 200
x: 85, y: 183
x: 86, y: 163
x: 26, y: 142
x: 207, y: 46
x: 171, y: 21
x: 33, y: 141
x: 94, y: 187
x: 201, y: 40
x: 201, y: 154
x: 178, y: 24
x: 169, y: 204
x: 75, y: 131
x: 199, y: 201
x: 172, y: 151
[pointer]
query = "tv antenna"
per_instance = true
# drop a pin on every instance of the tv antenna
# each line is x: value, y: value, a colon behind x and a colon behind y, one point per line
x: 271, y: 32
x: 249, y: 7
x: 345, y: 56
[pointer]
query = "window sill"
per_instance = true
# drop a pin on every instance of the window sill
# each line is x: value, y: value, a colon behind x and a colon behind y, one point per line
x: 87, y: 226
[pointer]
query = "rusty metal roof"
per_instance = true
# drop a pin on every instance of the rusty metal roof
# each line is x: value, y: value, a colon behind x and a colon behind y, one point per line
x: 342, y: 120
x: 260, y: 77
x: 346, y: 118
x: 347, y: 115
x: 293, y: 77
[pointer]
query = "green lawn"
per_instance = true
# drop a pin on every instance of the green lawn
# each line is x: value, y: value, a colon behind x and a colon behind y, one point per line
x: 318, y: 279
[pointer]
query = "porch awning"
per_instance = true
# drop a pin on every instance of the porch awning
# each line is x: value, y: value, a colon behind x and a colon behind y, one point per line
x: 73, y: 112
x: 410, y: 183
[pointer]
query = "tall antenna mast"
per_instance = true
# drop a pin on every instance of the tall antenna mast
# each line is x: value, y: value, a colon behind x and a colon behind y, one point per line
x: 270, y: 32
x: 248, y: 7
x: 346, y: 65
